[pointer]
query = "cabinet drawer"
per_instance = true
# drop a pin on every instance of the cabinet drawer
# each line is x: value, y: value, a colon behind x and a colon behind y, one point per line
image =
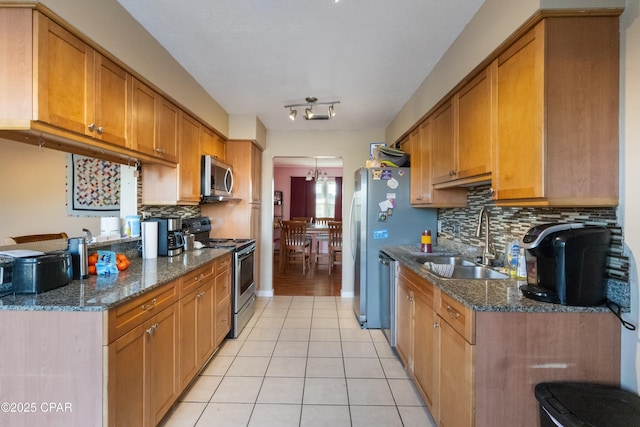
x: 222, y: 264
x: 458, y: 316
x: 223, y: 292
x: 128, y: 315
x: 223, y: 321
x: 195, y: 278
x: 422, y: 286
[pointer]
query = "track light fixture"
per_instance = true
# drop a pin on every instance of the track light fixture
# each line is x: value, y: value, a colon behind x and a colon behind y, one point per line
x: 312, y: 101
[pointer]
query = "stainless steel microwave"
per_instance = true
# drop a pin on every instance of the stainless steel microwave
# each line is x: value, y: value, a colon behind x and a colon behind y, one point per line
x: 216, y: 180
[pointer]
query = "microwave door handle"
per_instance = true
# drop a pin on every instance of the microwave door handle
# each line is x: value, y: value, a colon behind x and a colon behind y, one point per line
x: 228, y: 173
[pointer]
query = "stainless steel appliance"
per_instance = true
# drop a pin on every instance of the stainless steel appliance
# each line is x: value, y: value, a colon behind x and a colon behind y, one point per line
x: 243, y: 293
x: 41, y: 273
x: 566, y: 263
x: 381, y: 215
x: 170, y: 237
x: 388, y: 270
x: 216, y: 180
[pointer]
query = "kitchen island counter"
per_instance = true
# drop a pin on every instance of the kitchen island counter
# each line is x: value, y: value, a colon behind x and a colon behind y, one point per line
x: 485, y: 294
x: 100, y: 293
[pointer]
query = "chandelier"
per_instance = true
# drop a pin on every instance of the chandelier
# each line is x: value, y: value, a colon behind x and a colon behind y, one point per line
x: 309, y: 114
x: 316, y: 174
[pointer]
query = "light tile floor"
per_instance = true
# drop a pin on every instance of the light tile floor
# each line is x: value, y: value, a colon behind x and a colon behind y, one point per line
x: 303, y: 361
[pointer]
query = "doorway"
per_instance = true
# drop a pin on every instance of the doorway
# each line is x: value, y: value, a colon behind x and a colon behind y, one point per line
x: 323, y: 176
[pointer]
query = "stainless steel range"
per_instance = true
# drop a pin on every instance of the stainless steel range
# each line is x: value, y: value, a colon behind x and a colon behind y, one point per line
x: 243, y: 293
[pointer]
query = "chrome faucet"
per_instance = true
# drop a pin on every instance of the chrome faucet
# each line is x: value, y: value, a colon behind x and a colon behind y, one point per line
x: 487, y: 254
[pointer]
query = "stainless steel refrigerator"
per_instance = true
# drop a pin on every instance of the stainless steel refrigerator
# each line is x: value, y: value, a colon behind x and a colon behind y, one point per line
x: 381, y: 215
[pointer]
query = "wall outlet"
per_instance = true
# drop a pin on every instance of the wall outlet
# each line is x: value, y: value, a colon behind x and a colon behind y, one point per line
x: 456, y: 229
x: 439, y: 226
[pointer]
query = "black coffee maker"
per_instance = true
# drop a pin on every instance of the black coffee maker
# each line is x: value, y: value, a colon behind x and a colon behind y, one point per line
x: 566, y: 263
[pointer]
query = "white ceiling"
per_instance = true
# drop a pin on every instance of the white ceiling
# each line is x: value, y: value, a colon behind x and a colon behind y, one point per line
x: 255, y: 56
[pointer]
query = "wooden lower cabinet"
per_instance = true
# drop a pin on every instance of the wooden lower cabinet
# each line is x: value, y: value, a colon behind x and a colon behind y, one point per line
x: 479, y: 369
x: 143, y: 371
x: 161, y: 341
x: 456, y: 403
x: 196, y: 331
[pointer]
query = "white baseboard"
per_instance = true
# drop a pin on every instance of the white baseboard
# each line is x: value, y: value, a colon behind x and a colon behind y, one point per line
x: 344, y: 294
x: 267, y: 293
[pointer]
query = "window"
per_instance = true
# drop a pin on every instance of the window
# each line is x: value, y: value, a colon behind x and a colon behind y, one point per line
x: 326, y: 192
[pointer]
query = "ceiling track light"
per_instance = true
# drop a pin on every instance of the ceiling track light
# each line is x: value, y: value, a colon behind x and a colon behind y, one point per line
x: 312, y: 101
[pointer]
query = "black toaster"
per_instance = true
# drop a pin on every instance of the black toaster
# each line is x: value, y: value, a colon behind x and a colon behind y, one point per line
x: 41, y: 273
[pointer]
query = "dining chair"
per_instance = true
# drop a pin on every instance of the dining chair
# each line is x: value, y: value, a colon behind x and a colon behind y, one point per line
x: 322, y: 238
x: 307, y: 219
x: 335, y: 244
x: 39, y: 237
x: 295, y: 244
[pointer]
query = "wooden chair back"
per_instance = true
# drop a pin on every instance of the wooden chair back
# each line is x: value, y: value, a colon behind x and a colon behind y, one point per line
x: 335, y: 235
x: 39, y: 237
x: 294, y: 233
x: 323, y: 220
x: 307, y: 219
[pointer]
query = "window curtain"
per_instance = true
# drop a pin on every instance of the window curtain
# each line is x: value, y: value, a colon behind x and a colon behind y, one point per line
x: 338, y: 214
x: 303, y: 197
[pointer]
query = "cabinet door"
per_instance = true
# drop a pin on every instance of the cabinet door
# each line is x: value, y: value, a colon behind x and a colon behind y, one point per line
x: 65, y: 78
x: 162, y: 363
x: 167, y: 135
x: 112, y: 86
x: 425, y: 351
x: 188, y: 337
x: 127, y: 369
x: 474, y: 126
x: 189, y: 166
x: 442, y: 144
x: 211, y: 143
x: 404, y: 325
x: 256, y: 173
x: 456, y: 378
x: 205, y: 300
x: 144, y: 113
x: 519, y: 144
x: 420, y: 164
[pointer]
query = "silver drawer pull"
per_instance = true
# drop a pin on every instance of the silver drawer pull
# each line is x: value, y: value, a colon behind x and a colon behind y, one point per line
x: 452, y: 312
x: 152, y: 329
x: 201, y: 294
x: 149, y: 305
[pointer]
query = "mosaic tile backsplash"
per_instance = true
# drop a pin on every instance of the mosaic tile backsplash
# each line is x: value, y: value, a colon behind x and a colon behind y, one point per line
x: 506, y: 224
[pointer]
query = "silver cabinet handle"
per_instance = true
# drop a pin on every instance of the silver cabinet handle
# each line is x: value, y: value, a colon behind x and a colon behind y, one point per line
x: 147, y: 306
x: 436, y: 324
x: 92, y: 127
x: 100, y: 130
x: 201, y: 294
x: 152, y: 329
x: 452, y: 312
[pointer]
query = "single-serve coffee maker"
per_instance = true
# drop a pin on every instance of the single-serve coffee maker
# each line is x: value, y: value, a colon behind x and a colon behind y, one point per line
x: 170, y: 237
x: 566, y: 263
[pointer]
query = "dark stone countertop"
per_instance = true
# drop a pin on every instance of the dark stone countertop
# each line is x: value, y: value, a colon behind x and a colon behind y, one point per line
x: 482, y: 295
x: 99, y: 293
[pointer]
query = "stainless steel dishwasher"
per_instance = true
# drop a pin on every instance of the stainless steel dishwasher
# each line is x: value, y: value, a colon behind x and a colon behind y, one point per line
x: 387, y: 267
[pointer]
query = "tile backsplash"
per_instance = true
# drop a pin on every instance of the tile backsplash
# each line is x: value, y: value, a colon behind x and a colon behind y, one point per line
x: 458, y: 226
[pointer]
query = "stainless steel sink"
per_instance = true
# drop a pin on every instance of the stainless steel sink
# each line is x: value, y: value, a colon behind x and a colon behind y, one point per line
x: 445, y: 260
x: 462, y: 268
x: 476, y: 272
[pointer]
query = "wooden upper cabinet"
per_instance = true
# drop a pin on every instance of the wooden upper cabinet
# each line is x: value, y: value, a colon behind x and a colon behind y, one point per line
x: 246, y: 160
x: 473, y: 121
x: 557, y: 115
x: 154, y: 123
x: 78, y: 89
x: 443, y: 144
x: 421, y: 142
x: 167, y: 136
x: 211, y: 144
x: 189, y: 166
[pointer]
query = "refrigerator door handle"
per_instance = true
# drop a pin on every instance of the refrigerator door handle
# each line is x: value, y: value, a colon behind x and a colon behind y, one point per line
x: 352, y: 228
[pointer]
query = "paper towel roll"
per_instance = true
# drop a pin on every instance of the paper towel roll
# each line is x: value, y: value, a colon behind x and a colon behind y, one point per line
x: 149, y: 239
